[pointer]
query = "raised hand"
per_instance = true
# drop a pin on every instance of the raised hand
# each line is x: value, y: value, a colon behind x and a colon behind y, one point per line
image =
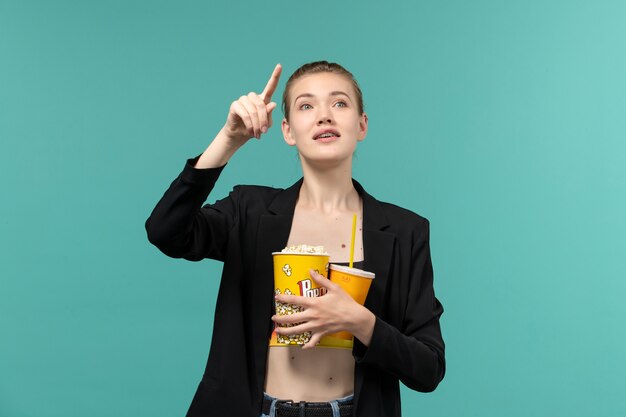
x: 251, y: 115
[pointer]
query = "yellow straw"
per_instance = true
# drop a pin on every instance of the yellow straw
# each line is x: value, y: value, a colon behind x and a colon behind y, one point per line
x: 352, y: 240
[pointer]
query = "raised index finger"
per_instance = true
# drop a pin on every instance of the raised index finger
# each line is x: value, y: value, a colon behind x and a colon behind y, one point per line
x: 269, y: 89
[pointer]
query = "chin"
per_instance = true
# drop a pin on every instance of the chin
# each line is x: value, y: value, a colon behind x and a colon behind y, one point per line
x: 327, y: 160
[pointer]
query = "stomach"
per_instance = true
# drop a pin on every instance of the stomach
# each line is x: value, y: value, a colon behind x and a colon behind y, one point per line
x: 318, y: 374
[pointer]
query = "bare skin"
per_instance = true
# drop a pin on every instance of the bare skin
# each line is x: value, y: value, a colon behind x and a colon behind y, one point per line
x: 323, y: 216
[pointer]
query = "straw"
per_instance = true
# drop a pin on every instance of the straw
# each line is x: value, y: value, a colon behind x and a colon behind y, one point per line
x: 352, y: 240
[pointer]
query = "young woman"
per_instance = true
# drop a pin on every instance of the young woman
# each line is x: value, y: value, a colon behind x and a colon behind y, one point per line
x: 397, y: 335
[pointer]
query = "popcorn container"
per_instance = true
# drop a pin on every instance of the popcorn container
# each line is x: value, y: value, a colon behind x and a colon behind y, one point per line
x: 292, y: 277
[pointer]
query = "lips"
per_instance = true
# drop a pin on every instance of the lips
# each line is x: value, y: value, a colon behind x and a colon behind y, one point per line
x: 326, y: 134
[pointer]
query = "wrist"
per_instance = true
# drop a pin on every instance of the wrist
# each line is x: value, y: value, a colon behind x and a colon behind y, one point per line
x: 219, y: 152
x: 227, y: 141
x: 363, y: 326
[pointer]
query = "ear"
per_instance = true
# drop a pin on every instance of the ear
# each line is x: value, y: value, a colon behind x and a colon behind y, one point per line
x: 362, y: 127
x: 287, y: 133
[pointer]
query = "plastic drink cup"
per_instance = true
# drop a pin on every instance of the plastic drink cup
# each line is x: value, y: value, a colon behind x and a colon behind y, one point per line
x: 356, y: 283
x: 292, y: 276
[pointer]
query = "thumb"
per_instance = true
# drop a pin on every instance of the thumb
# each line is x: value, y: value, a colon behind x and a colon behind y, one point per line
x: 321, y: 279
x: 270, y: 108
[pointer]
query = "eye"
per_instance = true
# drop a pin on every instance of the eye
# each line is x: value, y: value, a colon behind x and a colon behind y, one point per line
x: 341, y: 104
x: 305, y: 106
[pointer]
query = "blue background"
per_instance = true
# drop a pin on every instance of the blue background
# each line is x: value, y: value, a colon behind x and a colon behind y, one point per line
x: 505, y: 121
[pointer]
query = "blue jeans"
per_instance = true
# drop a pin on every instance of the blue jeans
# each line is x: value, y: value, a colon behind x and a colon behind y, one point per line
x: 334, y: 404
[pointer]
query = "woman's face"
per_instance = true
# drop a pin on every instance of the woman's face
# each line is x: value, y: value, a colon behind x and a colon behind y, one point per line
x: 324, y: 121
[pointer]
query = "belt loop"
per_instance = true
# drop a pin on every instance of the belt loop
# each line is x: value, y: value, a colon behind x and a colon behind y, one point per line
x: 302, y: 409
x: 335, y: 406
x: 273, y: 408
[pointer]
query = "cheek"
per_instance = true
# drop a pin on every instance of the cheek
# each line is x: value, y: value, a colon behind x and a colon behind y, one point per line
x: 301, y: 123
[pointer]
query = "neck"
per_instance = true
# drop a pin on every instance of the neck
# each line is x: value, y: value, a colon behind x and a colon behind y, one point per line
x: 329, y: 189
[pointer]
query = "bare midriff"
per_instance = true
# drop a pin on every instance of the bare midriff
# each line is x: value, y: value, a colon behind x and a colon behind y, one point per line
x: 318, y: 374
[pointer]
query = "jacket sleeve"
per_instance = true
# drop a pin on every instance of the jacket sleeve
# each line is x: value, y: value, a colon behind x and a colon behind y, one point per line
x: 181, y: 228
x: 414, y: 353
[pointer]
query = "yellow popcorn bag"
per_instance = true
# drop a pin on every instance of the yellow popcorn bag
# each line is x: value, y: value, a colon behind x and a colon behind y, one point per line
x: 292, y: 277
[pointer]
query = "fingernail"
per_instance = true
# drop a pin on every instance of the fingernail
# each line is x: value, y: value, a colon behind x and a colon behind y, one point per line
x: 264, y: 129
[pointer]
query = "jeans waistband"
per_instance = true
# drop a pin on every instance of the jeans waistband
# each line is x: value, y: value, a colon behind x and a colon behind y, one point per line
x: 339, y: 407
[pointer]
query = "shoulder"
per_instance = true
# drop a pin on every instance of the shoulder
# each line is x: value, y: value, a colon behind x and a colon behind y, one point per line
x: 257, y: 190
x: 403, y: 218
x: 389, y: 215
x: 255, y: 194
x: 406, y: 225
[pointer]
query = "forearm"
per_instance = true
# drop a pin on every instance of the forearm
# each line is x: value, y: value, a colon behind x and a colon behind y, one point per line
x: 177, y: 226
x: 218, y: 153
x: 418, y: 363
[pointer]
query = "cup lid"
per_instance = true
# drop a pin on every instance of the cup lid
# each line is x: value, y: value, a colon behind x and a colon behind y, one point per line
x: 353, y: 271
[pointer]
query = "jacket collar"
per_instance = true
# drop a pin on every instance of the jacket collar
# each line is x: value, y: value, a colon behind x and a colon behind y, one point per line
x: 374, y: 217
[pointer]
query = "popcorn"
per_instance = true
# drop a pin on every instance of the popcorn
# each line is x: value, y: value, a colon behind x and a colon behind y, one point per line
x: 284, y: 309
x: 317, y: 250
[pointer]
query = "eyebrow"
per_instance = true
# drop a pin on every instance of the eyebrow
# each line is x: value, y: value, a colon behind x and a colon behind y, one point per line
x: 332, y: 93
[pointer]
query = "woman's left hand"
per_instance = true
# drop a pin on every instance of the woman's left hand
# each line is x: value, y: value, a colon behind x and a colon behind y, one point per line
x: 333, y: 312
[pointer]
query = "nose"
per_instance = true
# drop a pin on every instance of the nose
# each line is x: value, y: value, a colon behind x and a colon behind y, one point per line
x: 324, y: 118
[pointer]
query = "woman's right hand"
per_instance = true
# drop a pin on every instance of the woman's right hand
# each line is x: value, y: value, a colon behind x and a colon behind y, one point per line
x: 251, y: 115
